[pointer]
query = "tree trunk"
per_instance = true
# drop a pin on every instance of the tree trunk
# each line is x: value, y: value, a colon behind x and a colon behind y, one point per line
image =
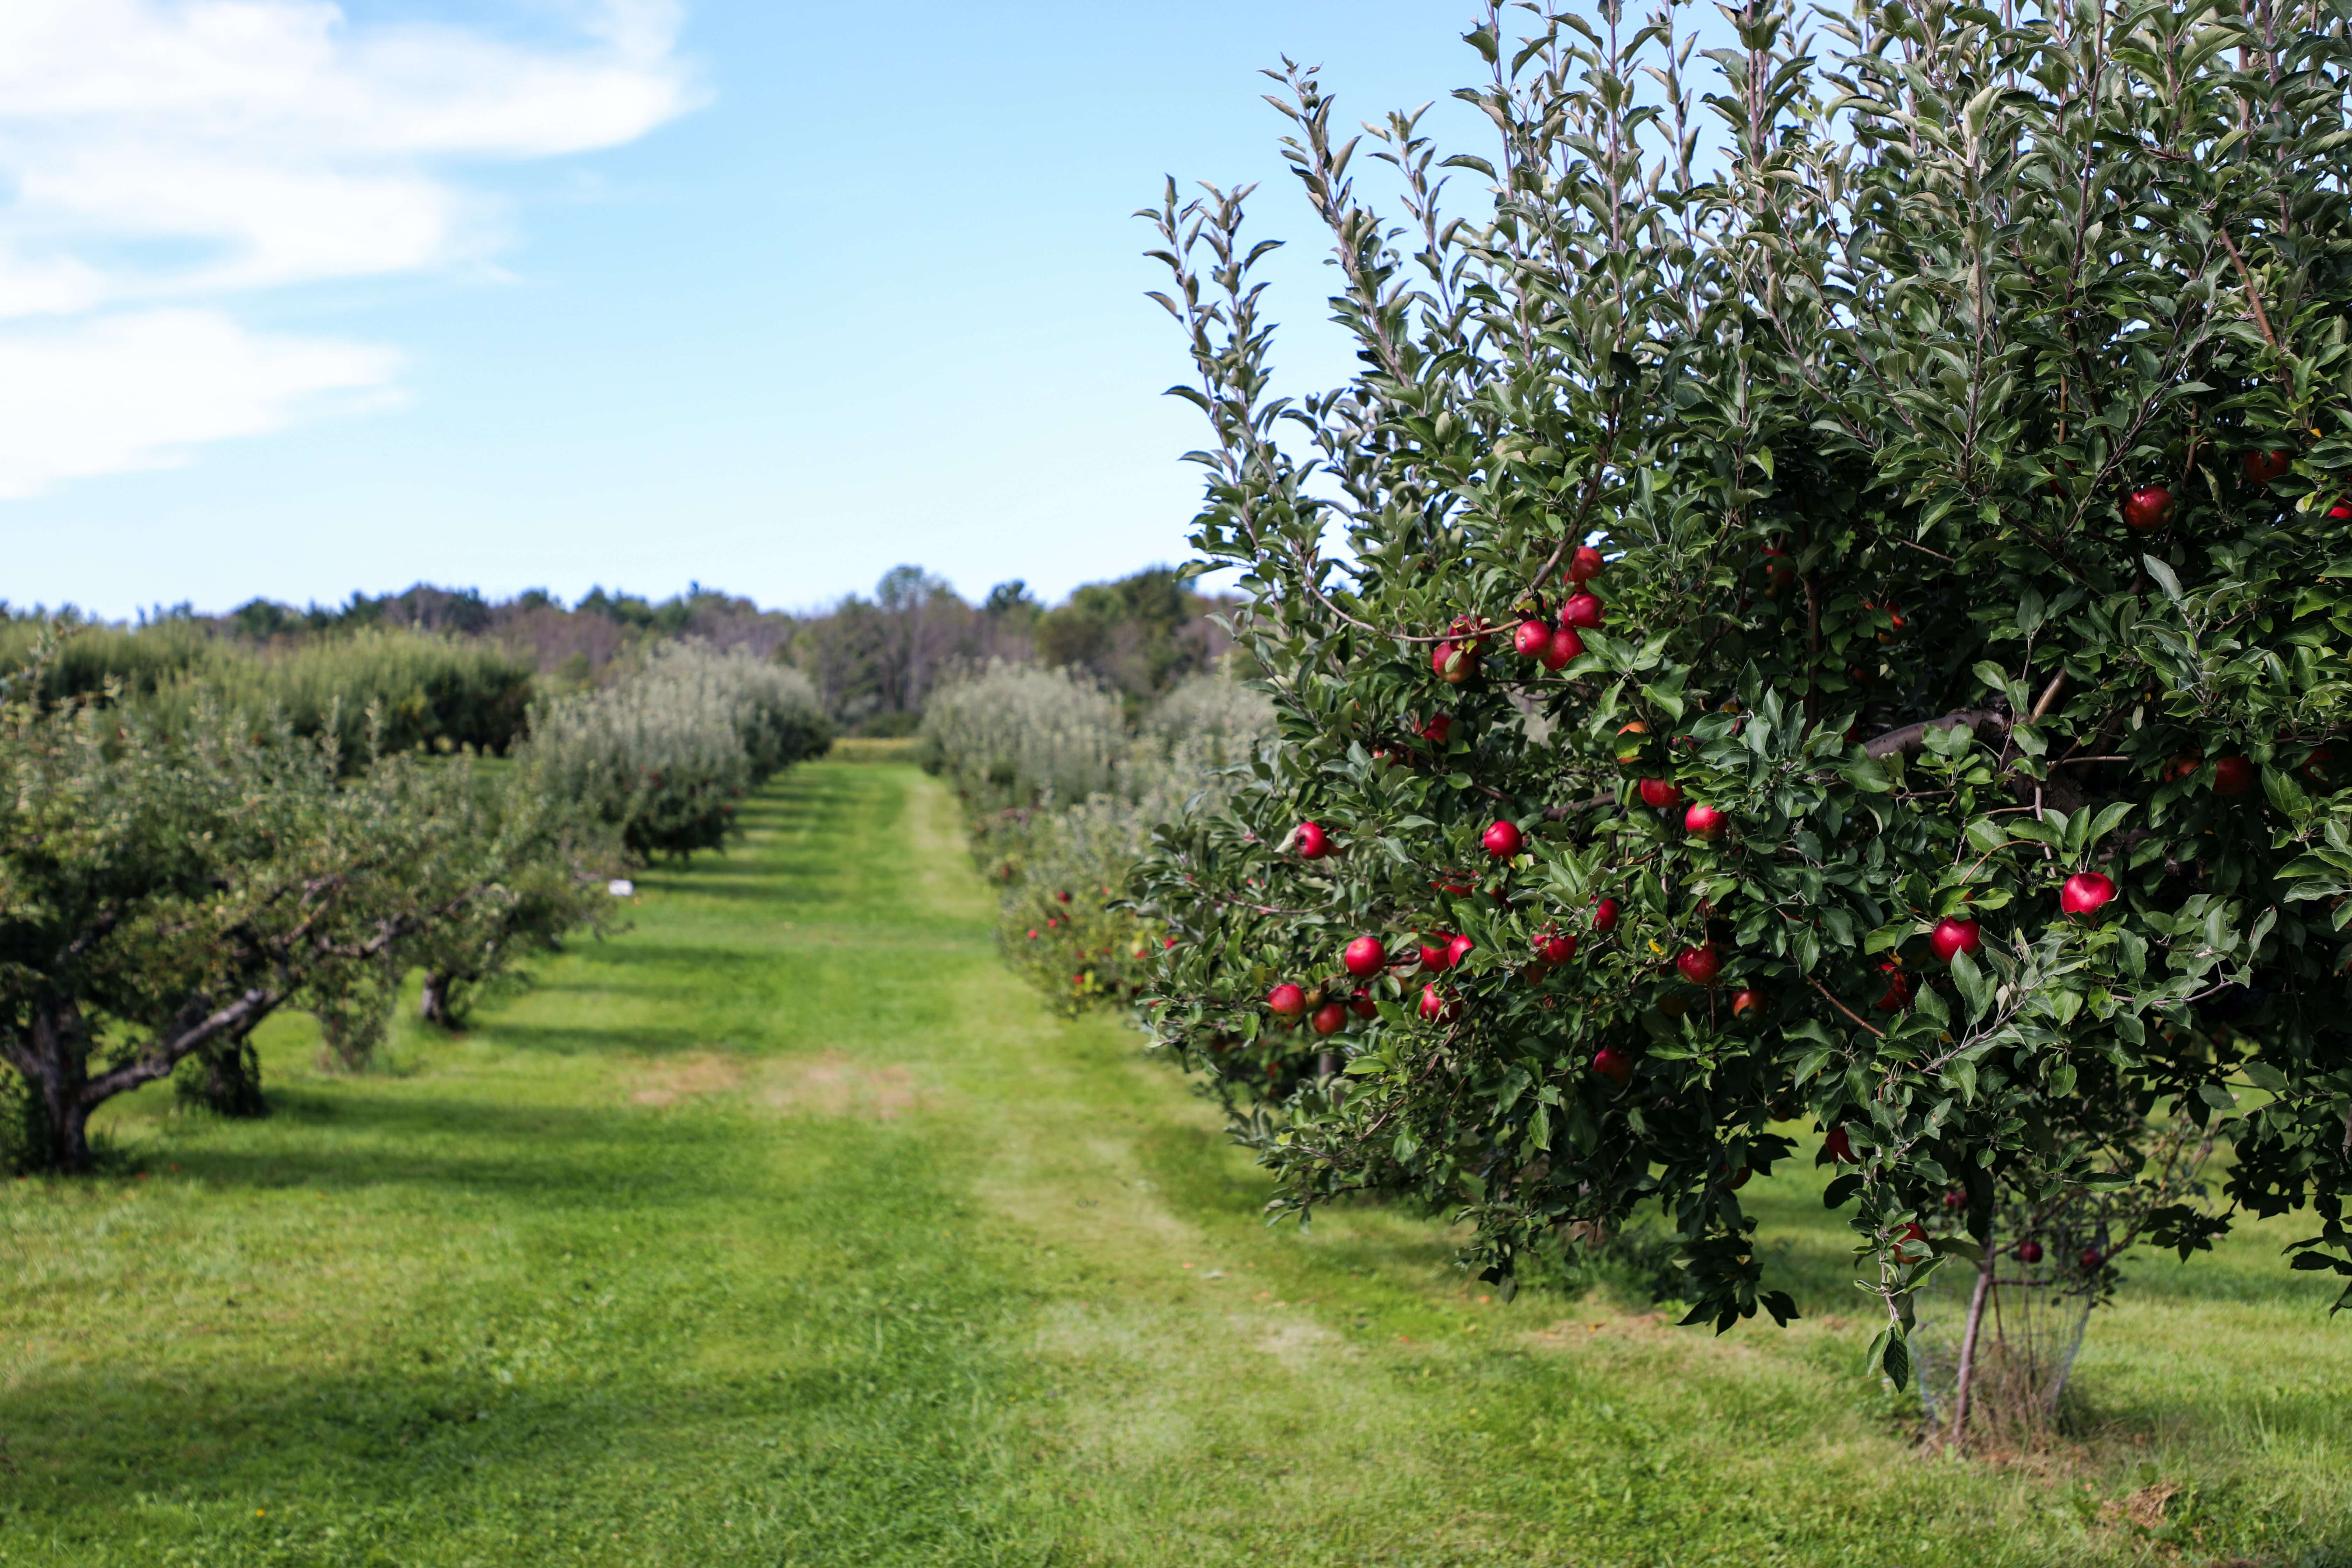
x: 55, y: 1060
x: 231, y: 1081
x: 433, y: 1007
x: 1969, y: 1343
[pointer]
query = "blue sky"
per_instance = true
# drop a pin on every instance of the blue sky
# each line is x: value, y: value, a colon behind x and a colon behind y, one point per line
x: 768, y: 296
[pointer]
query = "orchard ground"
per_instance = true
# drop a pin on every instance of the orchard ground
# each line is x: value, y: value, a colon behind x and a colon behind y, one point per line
x: 787, y: 1228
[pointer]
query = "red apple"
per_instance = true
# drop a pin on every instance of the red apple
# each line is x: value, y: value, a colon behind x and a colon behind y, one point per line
x: 1584, y: 565
x: 1565, y: 649
x: 1434, y: 951
x: 2261, y: 468
x: 1840, y: 1145
x: 1437, y: 1009
x: 2232, y: 776
x: 2148, y: 509
x: 1629, y: 752
x: 1502, y: 840
x: 2341, y: 510
x: 1582, y: 610
x: 1615, y: 1064
x: 1703, y: 822
x: 1438, y: 727
x: 1953, y: 937
x: 1661, y: 793
x: 1956, y: 1200
x: 1556, y: 947
x: 1778, y: 571
x: 1330, y: 1018
x: 1604, y: 916
x: 1746, y: 1001
x: 1898, y: 995
x: 1313, y: 842
x: 1457, y: 950
x: 2084, y: 893
x: 1285, y: 1001
x: 2029, y: 1252
x: 1453, y: 662
x: 2092, y: 1259
x: 1365, y: 957
x: 1532, y: 640
x: 1700, y: 964
x: 1362, y: 1004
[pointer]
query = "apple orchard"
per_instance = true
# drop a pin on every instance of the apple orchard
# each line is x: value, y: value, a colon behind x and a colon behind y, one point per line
x: 1847, y: 629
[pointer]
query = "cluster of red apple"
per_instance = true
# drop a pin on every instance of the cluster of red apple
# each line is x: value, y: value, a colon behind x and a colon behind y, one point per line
x: 1456, y: 659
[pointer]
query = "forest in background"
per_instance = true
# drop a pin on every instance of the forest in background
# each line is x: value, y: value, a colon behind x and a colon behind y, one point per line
x: 872, y: 660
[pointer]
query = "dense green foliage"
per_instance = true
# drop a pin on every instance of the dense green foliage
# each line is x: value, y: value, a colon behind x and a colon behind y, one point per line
x: 1064, y: 797
x: 780, y: 1228
x: 1868, y: 429
x: 163, y: 891
x: 370, y: 689
x: 666, y: 754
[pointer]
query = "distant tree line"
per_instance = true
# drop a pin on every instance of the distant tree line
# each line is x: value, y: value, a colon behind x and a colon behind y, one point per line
x: 873, y: 661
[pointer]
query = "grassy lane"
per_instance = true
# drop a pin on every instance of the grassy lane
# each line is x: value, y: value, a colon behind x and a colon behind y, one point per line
x: 785, y: 1228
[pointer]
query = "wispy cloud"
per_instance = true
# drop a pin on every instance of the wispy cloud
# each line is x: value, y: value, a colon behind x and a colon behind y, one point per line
x: 160, y: 159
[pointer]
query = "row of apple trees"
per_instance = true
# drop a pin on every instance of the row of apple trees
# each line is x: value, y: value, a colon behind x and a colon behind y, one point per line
x: 1063, y: 794
x: 173, y: 876
x: 1853, y: 627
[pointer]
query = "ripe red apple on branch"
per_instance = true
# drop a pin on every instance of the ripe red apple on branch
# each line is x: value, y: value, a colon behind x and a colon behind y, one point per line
x: 1747, y: 1003
x: 1565, y: 649
x: 1584, y: 565
x: 1330, y: 1018
x: 1437, y: 1008
x: 2086, y: 893
x: 1436, y: 951
x: 1287, y: 1002
x: 1604, y: 916
x: 2232, y: 776
x: 1953, y: 937
x: 2148, y: 509
x: 2262, y: 467
x: 1365, y: 957
x: 1582, y: 611
x: 1699, y: 966
x: 1556, y: 947
x: 1661, y: 793
x: 1532, y: 640
x: 1615, y: 1064
x: 1502, y: 840
x: 1312, y: 841
x: 1457, y: 950
x: 1437, y: 729
x: 1840, y: 1145
x: 1704, y: 821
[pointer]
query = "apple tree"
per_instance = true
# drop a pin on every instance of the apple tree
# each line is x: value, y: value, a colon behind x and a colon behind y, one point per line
x: 1828, y: 596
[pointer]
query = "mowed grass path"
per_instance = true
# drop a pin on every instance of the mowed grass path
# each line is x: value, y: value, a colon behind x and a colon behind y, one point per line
x: 786, y: 1229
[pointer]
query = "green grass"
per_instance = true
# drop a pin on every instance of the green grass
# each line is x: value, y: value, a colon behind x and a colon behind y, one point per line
x: 786, y: 1229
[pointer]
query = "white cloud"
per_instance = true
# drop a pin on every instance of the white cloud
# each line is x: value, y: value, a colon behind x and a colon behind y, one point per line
x: 138, y: 389
x: 159, y: 158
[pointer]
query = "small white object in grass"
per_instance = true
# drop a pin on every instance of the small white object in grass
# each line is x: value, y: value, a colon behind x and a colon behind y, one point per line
x: 620, y: 888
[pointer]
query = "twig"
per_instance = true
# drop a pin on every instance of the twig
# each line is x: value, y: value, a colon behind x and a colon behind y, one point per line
x: 1925, y: 550
x: 2246, y: 276
x: 2049, y: 695
x: 1843, y: 1008
x: 1911, y: 737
